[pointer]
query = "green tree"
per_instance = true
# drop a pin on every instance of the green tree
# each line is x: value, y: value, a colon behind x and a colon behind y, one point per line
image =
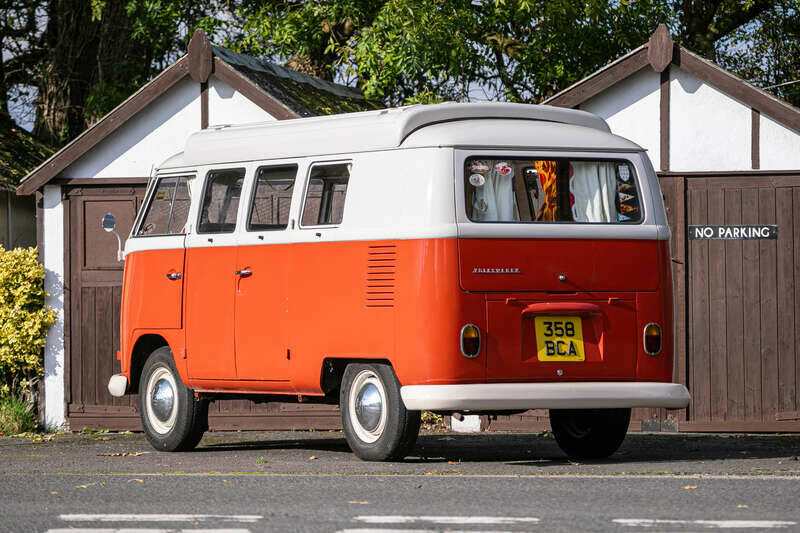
x: 766, y: 51
x: 397, y: 50
x: 83, y: 57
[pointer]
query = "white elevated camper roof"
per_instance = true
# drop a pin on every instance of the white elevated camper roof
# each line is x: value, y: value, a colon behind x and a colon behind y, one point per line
x: 448, y: 124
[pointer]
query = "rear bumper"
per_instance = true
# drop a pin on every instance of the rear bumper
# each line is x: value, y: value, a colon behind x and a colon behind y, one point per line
x: 508, y: 396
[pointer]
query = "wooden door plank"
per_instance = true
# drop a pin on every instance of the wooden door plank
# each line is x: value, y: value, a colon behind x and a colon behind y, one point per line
x: 751, y: 311
x: 769, y: 308
x: 104, y: 335
x: 700, y: 408
x: 87, y: 340
x: 674, y: 193
x: 733, y: 310
x: 796, y: 235
x: 717, y: 335
x: 784, y: 216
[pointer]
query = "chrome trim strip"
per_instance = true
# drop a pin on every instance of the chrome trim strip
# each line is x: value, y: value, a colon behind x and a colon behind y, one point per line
x: 583, y: 395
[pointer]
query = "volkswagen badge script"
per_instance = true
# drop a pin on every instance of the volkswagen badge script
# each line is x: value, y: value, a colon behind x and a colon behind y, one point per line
x: 509, y: 270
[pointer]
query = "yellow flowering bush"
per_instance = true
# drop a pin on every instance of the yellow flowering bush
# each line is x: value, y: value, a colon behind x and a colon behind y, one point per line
x: 24, y: 319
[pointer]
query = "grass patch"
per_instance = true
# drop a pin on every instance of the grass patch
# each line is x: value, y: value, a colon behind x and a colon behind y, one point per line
x: 16, y: 416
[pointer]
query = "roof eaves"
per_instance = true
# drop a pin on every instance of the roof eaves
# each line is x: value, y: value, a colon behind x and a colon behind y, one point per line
x: 736, y: 87
x: 50, y: 168
x: 241, y: 83
x: 601, y: 79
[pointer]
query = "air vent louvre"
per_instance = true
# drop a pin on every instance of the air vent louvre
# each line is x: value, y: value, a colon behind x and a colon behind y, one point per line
x: 381, y: 273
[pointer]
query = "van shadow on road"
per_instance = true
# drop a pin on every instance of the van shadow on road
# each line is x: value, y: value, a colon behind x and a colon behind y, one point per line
x: 541, y: 449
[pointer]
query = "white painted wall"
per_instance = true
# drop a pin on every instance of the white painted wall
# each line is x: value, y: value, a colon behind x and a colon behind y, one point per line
x: 53, y: 220
x: 470, y: 424
x: 631, y: 109
x: 709, y: 130
x: 152, y: 135
x: 227, y: 106
x: 780, y: 146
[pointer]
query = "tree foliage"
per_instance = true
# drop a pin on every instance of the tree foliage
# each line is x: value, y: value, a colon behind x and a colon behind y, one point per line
x: 397, y: 50
x: 518, y: 50
x: 767, y: 50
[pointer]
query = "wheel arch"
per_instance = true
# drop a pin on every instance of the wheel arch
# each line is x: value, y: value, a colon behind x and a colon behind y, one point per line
x: 333, y: 369
x: 144, y: 346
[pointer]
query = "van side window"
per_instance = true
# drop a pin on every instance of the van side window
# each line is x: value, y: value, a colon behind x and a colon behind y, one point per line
x: 269, y: 209
x: 327, y: 188
x: 169, y: 207
x: 221, y: 201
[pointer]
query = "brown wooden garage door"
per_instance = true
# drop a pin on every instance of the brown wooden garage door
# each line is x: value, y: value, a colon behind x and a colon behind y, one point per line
x: 737, y: 308
x: 743, y: 306
x: 92, y: 300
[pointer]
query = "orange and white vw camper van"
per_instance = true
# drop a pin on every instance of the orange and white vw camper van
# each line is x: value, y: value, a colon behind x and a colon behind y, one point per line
x: 457, y: 258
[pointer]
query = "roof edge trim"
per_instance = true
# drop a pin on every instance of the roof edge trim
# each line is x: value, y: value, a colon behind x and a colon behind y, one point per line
x: 49, y: 169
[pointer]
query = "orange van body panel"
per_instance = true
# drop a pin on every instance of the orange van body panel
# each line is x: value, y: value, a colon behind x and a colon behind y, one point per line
x: 397, y: 300
x: 209, y: 310
x: 401, y: 301
x: 261, y: 313
x: 150, y: 299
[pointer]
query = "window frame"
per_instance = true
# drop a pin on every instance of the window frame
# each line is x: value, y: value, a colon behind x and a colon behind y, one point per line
x: 152, y: 187
x: 636, y: 176
x: 303, y: 199
x: 254, y: 187
x: 206, y: 184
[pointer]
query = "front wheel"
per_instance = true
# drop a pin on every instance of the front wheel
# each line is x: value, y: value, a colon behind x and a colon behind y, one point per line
x: 376, y: 423
x: 589, y: 433
x: 172, y: 419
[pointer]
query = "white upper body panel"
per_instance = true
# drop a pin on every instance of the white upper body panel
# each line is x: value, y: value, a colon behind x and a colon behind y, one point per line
x: 371, y: 131
x: 406, y: 179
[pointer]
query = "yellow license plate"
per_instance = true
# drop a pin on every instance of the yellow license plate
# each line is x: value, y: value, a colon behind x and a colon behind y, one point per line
x: 559, y: 338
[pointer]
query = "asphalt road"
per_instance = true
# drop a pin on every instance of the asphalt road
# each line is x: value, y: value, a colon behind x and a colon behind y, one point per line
x: 308, y: 481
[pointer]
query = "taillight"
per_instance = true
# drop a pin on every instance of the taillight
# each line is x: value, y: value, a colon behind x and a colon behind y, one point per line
x: 652, y: 339
x: 470, y: 341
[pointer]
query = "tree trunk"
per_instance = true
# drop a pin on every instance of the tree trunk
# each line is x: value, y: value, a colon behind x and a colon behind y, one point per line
x: 84, y: 57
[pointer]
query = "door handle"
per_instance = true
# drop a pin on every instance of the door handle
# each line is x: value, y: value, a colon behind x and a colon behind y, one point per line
x: 174, y: 275
x: 243, y: 273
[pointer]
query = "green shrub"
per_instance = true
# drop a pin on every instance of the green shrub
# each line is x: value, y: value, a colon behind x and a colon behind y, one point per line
x: 17, y: 415
x: 24, y: 320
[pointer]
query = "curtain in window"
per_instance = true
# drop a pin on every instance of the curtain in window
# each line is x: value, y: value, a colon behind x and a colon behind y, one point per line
x: 593, y: 186
x: 548, y: 175
x: 494, y: 201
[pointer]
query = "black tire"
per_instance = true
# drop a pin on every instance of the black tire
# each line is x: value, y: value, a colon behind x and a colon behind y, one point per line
x: 170, y: 430
x: 589, y: 433
x: 395, y: 430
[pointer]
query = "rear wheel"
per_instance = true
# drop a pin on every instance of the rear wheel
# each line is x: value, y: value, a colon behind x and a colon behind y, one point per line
x: 589, y: 433
x: 172, y: 419
x: 377, y: 425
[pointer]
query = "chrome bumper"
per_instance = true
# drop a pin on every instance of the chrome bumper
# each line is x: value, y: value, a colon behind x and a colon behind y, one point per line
x: 512, y: 396
x: 118, y: 385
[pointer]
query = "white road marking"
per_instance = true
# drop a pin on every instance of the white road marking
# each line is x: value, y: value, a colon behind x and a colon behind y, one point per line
x: 385, y: 530
x: 128, y: 530
x: 401, y: 519
x: 159, y: 517
x: 710, y: 524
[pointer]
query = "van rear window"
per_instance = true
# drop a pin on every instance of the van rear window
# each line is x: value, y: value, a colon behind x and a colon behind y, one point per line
x: 551, y: 190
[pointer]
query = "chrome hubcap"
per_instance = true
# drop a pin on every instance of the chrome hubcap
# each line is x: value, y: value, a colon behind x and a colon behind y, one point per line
x: 369, y: 407
x: 163, y: 399
x: 366, y: 404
